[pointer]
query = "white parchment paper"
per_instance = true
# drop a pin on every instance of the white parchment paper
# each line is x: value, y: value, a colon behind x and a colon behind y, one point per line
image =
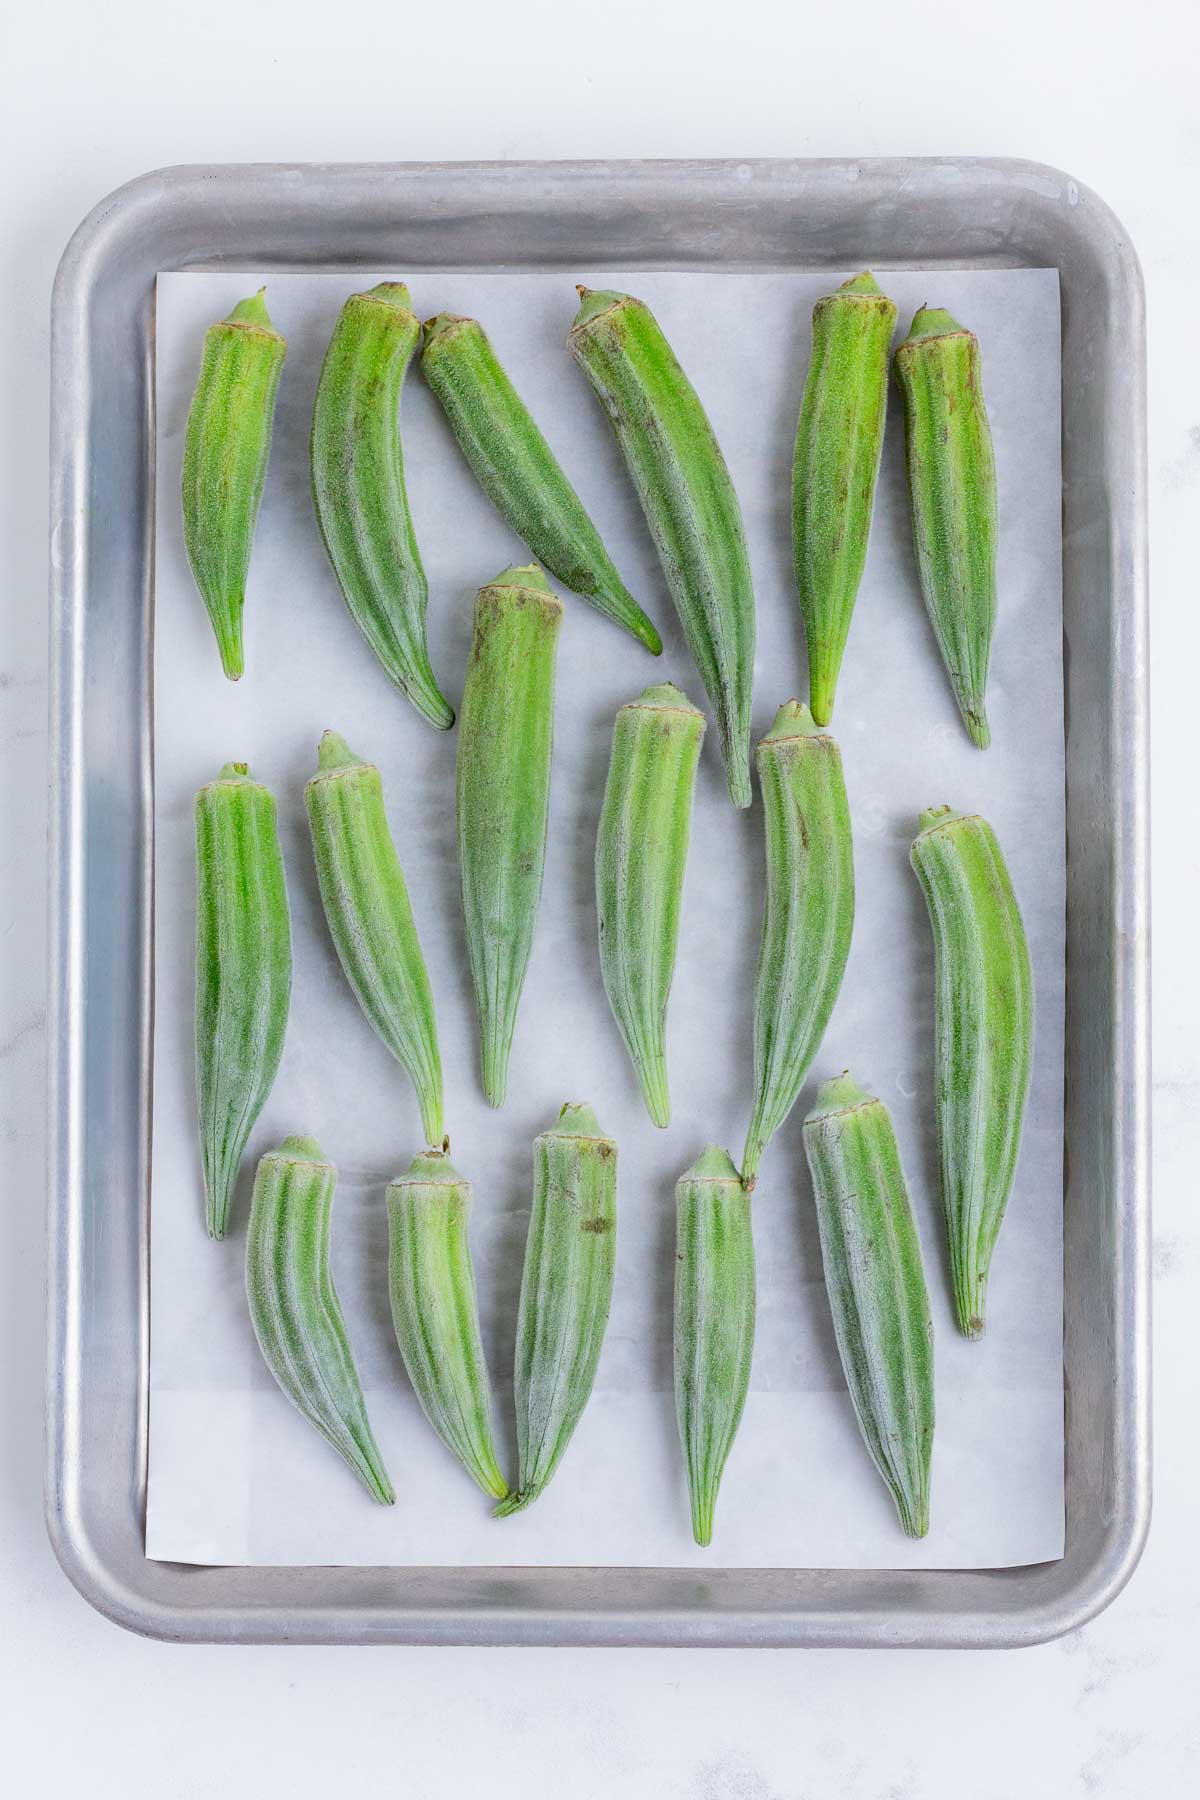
x: 237, y: 1476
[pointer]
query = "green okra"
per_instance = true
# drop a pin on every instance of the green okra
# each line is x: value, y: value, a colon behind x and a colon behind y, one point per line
x: 359, y: 491
x: 689, y: 501
x: 952, y: 493
x: 294, y: 1306
x: 641, y: 854
x: 714, y: 1323
x: 517, y: 470
x: 243, y: 973
x: 435, y: 1312
x: 566, y: 1291
x: 876, y: 1286
x: 225, y: 452
x: 808, y: 915
x: 839, y: 441
x: 370, y: 918
x: 984, y: 1039
x: 505, y: 739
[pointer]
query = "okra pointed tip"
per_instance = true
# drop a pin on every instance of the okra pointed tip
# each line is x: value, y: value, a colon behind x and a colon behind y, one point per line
x: 978, y: 729
x: 233, y: 660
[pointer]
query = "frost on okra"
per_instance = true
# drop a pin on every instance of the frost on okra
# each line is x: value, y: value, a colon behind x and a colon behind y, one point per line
x: 505, y: 738
x: 688, y: 498
x: 984, y: 1039
x: 566, y: 1291
x: 359, y: 491
x: 876, y: 1286
x: 225, y: 452
x: 518, y: 471
x: 370, y: 919
x: 294, y: 1307
x: 243, y: 973
x: 641, y: 854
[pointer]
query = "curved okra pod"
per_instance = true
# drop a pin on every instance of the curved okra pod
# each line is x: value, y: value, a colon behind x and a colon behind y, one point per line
x: 876, y: 1286
x: 952, y: 492
x: 984, y: 1038
x: 566, y: 1291
x: 689, y: 501
x: 714, y: 1323
x: 225, y: 452
x: 839, y: 441
x: 370, y: 919
x: 641, y: 854
x: 432, y: 1285
x: 505, y: 738
x: 517, y: 470
x: 808, y: 916
x: 294, y: 1306
x: 359, y: 492
x: 243, y: 973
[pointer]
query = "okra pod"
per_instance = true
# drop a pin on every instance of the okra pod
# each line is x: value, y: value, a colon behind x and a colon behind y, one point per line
x: 505, y: 739
x: 225, y: 452
x: 243, y: 973
x: 370, y: 919
x: 294, y: 1306
x: 876, y: 1286
x: 566, y: 1291
x: 517, y: 470
x: 714, y: 1323
x: 688, y: 498
x: 808, y: 915
x: 359, y: 490
x: 983, y: 1039
x: 839, y: 441
x: 435, y: 1312
x: 641, y: 854
x: 952, y: 493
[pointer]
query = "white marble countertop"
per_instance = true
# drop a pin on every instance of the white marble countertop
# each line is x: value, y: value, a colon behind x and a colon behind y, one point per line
x: 97, y: 95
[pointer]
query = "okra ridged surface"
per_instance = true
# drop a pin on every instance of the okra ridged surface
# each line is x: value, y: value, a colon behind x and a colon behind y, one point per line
x: 359, y: 490
x: 294, y: 1306
x: 435, y: 1312
x: 714, y: 1323
x: 518, y: 471
x: 641, y: 855
x: 839, y: 441
x: 984, y: 1039
x: 688, y: 497
x: 243, y: 973
x: 505, y: 742
x: 370, y: 918
x: 226, y: 448
x: 952, y: 494
x: 876, y: 1286
x: 808, y: 915
x: 566, y: 1292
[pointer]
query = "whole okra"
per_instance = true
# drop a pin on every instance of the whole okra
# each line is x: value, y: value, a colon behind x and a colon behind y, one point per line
x: 808, y: 915
x: 370, y: 919
x: 434, y: 1309
x: 714, y: 1323
x: 294, y: 1306
x: 689, y: 501
x: 641, y: 854
x: 952, y: 492
x: 518, y: 472
x: 839, y: 441
x: 505, y: 739
x: 359, y: 491
x: 225, y: 452
x: 876, y: 1286
x: 243, y: 973
x: 566, y: 1291
x: 984, y: 1038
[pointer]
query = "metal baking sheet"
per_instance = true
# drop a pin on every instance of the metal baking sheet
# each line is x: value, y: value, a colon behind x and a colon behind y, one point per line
x: 777, y: 216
